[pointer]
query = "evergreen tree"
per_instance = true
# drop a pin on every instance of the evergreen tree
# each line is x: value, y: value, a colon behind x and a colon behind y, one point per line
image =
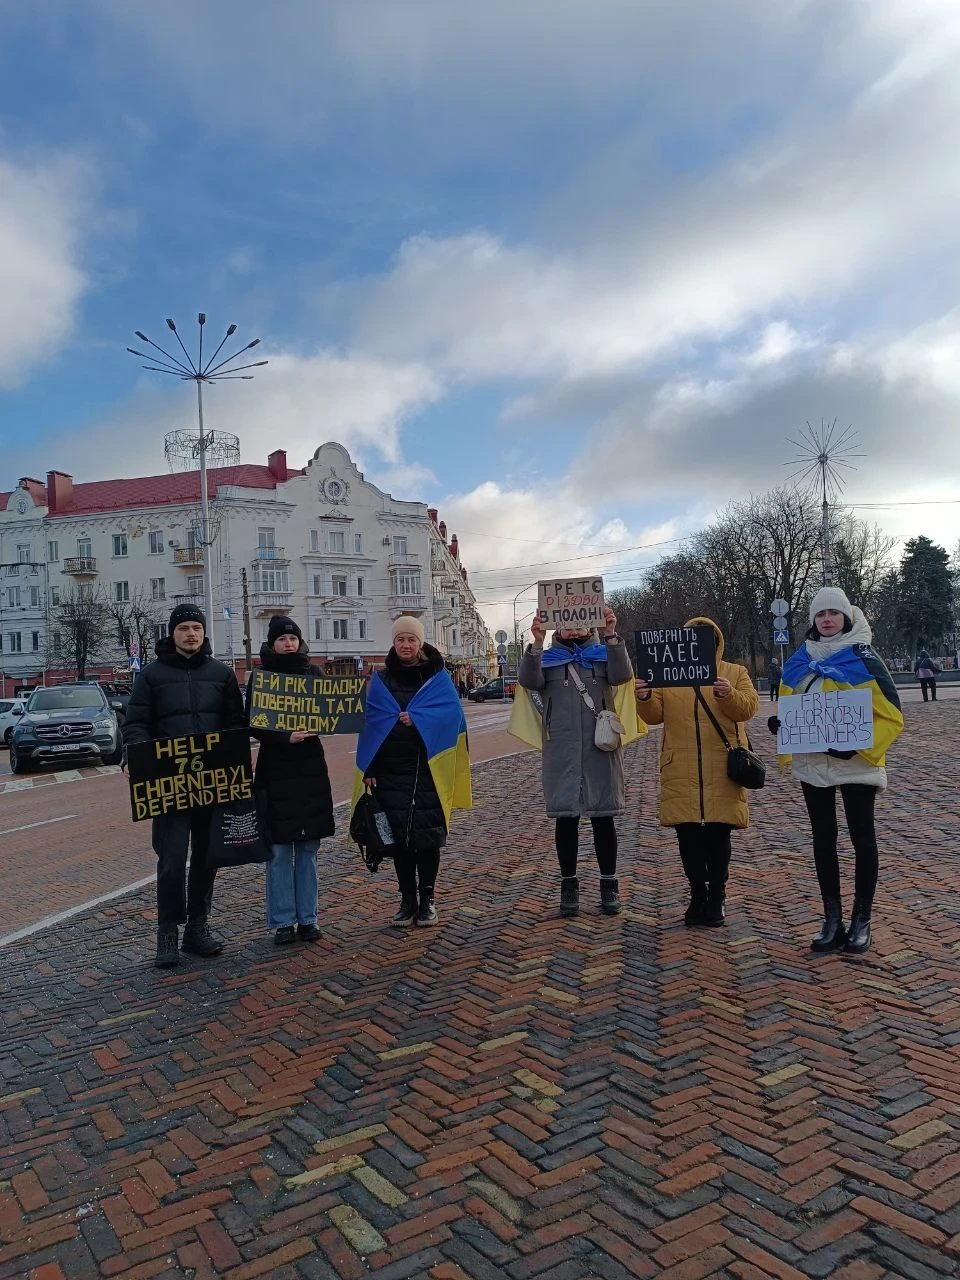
x: 925, y: 611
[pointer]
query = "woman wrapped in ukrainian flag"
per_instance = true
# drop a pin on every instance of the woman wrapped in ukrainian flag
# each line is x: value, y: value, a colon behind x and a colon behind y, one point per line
x: 838, y: 654
x: 413, y: 750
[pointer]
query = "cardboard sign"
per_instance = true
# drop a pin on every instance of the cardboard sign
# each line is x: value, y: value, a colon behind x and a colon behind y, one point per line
x: 834, y: 719
x: 570, y: 603
x: 323, y: 705
x: 171, y: 775
x: 677, y: 657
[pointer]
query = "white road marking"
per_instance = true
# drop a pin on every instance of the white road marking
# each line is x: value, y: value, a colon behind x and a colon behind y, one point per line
x: 48, y: 921
x: 45, y: 823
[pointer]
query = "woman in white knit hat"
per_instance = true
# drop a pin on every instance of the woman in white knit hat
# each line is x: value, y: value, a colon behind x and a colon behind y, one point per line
x: 837, y: 654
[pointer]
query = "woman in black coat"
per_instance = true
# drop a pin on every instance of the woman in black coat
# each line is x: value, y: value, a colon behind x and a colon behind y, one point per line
x: 292, y: 788
x: 404, y: 783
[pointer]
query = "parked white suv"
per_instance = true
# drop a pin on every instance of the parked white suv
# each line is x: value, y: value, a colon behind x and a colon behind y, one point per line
x: 11, y: 709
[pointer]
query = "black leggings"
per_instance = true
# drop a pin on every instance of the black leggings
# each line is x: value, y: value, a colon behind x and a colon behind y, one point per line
x: 932, y: 686
x: 705, y: 853
x: 858, y: 806
x: 604, y: 843
x: 413, y: 863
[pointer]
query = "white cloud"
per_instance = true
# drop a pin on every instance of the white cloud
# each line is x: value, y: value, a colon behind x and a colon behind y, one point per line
x: 44, y: 219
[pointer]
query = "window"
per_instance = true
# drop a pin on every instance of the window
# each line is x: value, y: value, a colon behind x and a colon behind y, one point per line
x: 159, y: 631
x: 339, y: 584
x: 34, y: 597
x: 318, y: 629
x: 121, y: 592
x: 156, y: 542
x: 119, y: 545
x: 317, y: 585
x: 360, y: 586
x: 13, y: 597
x: 35, y: 641
x: 195, y: 585
x: 53, y: 552
x: 85, y: 591
x: 340, y: 629
x: 158, y: 588
x: 362, y: 629
x: 274, y: 580
x: 23, y: 553
x: 453, y: 636
x: 194, y: 541
x: 315, y: 540
x: 400, y: 548
x: 56, y: 641
x: 84, y: 549
x: 54, y: 595
x: 408, y: 584
x: 266, y: 539
x: 358, y: 544
x: 335, y: 540
x: 14, y: 642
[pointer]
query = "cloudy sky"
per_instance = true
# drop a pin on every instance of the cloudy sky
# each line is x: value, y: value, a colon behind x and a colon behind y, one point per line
x: 574, y: 272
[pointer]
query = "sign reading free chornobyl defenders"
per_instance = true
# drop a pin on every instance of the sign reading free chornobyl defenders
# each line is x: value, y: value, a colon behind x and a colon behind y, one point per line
x: 570, y: 602
x: 832, y: 719
x: 677, y: 657
x: 323, y: 705
x: 198, y: 771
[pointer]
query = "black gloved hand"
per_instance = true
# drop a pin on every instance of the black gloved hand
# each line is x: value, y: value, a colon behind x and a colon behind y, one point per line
x: 773, y: 724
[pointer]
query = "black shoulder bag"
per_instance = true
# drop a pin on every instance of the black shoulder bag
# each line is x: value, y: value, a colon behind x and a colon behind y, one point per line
x: 744, y: 766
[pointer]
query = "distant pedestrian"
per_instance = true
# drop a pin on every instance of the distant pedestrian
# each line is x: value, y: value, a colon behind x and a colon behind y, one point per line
x: 697, y: 798
x: 575, y: 678
x: 926, y: 671
x: 292, y: 787
x: 186, y: 691
x: 838, y: 654
x: 413, y: 751
x: 774, y: 675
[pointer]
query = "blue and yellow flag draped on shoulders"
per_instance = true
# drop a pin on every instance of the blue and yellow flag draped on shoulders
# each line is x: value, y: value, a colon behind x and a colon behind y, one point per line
x: 857, y: 666
x: 437, y: 715
x: 526, y: 717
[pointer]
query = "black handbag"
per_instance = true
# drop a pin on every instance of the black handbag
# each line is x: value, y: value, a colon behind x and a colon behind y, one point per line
x: 236, y: 838
x: 370, y: 829
x: 744, y: 766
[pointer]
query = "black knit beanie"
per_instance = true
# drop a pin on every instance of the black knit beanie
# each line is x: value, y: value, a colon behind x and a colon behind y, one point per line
x: 186, y: 613
x: 281, y: 625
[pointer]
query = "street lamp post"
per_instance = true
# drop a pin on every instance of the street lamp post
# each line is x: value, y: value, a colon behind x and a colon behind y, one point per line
x: 189, y: 369
x: 516, y: 635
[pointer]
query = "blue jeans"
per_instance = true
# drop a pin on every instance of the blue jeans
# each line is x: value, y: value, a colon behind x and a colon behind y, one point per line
x: 292, y: 884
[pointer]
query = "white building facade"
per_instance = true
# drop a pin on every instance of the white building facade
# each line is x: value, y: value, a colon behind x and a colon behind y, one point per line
x: 323, y: 545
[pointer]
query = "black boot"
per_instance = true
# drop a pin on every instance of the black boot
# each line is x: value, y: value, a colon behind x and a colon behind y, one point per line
x: 200, y: 941
x: 427, y: 914
x: 698, y: 905
x: 858, y: 935
x: 407, y: 913
x: 714, y: 915
x: 168, y: 946
x: 569, y: 896
x: 610, y: 903
x: 833, y: 934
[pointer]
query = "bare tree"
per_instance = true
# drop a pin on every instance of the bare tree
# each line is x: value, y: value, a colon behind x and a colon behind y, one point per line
x: 135, y: 620
x: 86, y: 628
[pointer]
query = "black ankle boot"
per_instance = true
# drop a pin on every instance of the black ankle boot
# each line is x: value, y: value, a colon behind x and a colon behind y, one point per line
x: 833, y: 935
x: 714, y: 915
x: 610, y: 903
x: 199, y: 940
x: 858, y: 935
x: 407, y: 913
x: 697, y: 905
x: 168, y: 946
x: 569, y: 896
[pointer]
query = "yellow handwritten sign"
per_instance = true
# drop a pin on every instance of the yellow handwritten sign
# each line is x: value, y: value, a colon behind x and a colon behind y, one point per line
x: 202, y: 770
x: 324, y: 705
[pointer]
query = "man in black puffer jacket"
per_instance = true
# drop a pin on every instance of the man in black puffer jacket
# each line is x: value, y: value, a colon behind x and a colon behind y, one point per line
x: 185, y: 691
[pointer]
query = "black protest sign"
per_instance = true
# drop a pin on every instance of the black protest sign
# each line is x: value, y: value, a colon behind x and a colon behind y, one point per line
x: 323, y: 705
x: 170, y: 775
x: 677, y: 657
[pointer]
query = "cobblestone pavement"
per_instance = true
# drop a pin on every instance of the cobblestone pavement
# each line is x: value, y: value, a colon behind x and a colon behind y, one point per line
x: 508, y: 1094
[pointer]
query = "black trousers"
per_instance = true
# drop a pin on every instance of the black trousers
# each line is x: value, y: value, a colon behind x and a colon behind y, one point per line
x: 705, y: 852
x: 183, y: 895
x: 774, y: 690
x: 859, y: 803
x: 604, y: 843
x: 930, y: 684
x: 412, y: 865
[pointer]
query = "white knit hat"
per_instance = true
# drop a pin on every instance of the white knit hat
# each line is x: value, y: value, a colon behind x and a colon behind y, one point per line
x: 411, y: 626
x: 831, y: 598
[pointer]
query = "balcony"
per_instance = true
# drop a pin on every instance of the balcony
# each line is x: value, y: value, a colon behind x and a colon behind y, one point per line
x: 407, y: 604
x: 80, y: 566
x: 271, y: 601
x: 191, y: 598
x: 275, y: 555
x: 188, y: 557
x: 407, y: 561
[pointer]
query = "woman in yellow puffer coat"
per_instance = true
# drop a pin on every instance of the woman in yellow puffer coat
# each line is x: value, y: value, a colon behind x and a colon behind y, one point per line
x: 696, y: 796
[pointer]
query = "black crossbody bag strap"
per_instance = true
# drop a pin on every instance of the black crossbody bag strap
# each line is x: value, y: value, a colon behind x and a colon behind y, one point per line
x: 715, y: 722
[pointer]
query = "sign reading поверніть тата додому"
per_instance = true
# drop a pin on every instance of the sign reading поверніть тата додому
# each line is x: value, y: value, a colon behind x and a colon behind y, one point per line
x: 829, y: 720
x: 198, y: 771
x: 323, y: 705
x: 570, y: 603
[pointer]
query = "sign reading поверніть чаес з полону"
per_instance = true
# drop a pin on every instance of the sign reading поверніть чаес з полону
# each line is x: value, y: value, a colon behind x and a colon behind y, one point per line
x: 323, y: 705
x: 676, y: 657
x: 198, y: 771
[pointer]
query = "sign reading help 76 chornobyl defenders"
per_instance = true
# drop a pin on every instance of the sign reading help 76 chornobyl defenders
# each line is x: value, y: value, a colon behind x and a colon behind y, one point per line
x: 831, y: 720
x: 197, y: 771
x: 570, y: 603
x: 323, y: 705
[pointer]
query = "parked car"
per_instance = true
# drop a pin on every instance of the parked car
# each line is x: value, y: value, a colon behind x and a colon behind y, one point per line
x: 118, y: 695
x: 67, y: 722
x: 494, y: 689
x: 11, y: 709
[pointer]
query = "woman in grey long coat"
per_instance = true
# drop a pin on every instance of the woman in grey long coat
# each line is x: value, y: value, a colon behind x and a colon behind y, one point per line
x: 578, y: 778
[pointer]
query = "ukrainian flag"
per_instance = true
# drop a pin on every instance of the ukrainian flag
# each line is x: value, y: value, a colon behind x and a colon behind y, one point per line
x: 526, y: 718
x: 437, y: 715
